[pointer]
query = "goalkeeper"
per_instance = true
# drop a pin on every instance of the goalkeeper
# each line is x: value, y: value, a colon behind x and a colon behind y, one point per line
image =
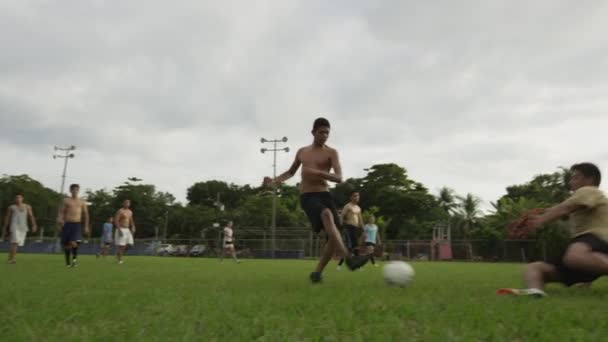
x: 586, y: 257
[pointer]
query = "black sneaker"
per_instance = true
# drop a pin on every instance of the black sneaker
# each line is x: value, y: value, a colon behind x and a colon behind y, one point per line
x: 315, y: 277
x: 356, y: 262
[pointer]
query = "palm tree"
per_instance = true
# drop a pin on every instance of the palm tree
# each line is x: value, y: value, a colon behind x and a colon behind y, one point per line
x: 447, y: 200
x: 468, y: 212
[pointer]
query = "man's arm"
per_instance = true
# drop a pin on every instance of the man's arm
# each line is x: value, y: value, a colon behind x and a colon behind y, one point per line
x: 290, y: 172
x: 132, y: 223
x: 117, y: 223
x: 360, y: 220
x: 30, y: 213
x: 552, y: 214
x: 5, y: 225
x: 378, y: 237
x: 61, y: 215
x: 336, y: 176
x: 85, y: 213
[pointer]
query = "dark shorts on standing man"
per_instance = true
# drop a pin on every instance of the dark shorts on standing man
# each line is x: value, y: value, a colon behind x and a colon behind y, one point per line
x: 351, y: 237
x: 313, y: 204
x: 72, y: 231
x: 569, y: 276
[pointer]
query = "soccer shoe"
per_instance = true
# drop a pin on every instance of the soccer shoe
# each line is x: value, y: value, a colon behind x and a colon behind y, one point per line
x: 537, y: 293
x: 339, y: 268
x: 74, y: 263
x: 315, y: 277
x: 356, y: 262
x: 120, y: 262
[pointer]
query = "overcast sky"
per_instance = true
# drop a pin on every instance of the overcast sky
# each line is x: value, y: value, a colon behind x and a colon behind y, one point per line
x: 474, y: 95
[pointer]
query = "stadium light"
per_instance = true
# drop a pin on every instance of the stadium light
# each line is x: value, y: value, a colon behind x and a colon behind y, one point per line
x: 274, y: 151
x: 66, y: 154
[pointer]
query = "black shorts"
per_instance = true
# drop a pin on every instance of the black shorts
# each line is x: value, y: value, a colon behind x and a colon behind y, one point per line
x: 227, y: 243
x: 370, y: 244
x: 351, y: 236
x: 71, y: 232
x: 569, y: 276
x: 313, y: 204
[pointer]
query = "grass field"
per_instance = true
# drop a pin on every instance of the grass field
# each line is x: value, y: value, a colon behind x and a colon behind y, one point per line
x: 177, y: 299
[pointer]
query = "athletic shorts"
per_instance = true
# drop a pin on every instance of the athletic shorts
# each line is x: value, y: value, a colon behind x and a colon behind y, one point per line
x: 125, y: 239
x: 72, y: 232
x: 313, y: 204
x: 370, y: 244
x: 18, y: 236
x: 351, y: 237
x: 569, y: 276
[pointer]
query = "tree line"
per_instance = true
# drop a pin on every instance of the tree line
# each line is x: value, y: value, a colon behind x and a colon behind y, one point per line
x: 404, y: 207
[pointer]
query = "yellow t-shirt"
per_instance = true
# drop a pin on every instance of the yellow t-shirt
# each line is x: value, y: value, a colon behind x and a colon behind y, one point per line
x: 593, y: 218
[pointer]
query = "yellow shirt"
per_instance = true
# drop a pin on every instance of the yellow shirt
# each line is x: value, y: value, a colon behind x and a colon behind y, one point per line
x: 593, y: 218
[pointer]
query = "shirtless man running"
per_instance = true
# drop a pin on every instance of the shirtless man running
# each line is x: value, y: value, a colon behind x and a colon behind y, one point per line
x: 317, y: 160
x: 125, y: 228
x: 71, y: 215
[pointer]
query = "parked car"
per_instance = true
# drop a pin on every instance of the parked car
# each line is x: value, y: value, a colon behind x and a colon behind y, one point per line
x: 198, y: 250
x: 180, y: 250
x: 165, y: 249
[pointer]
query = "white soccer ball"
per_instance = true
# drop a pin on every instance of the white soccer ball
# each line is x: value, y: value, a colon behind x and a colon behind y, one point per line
x: 398, y: 273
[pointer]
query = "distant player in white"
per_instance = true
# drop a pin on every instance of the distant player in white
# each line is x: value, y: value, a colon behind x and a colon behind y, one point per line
x: 371, y: 238
x: 15, y: 224
x: 228, y: 242
x: 125, y: 228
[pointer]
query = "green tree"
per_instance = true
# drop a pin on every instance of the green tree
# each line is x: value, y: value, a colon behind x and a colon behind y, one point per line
x: 44, y: 201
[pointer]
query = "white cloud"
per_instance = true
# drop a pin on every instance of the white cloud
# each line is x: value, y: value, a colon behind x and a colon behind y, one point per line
x: 475, y: 95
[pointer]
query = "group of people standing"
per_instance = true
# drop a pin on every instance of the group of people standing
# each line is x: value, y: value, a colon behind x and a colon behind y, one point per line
x: 73, y: 217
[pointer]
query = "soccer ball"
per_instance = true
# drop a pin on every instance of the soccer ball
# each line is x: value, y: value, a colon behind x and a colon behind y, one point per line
x: 398, y: 273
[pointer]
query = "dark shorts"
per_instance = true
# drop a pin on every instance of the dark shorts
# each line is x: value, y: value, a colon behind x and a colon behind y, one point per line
x: 105, y: 244
x: 569, y: 276
x: 350, y: 236
x: 227, y: 243
x: 313, y: 204
x: 370, y: 244
x: 72, y: 231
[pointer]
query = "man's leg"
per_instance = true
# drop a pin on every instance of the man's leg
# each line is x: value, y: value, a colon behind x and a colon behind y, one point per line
x: 333, y: 234
x: 74, y: 253
x: 119, y: 253
x: 12, y: 252
x: 67, y: 249
x: 537, y: 274
x: 580, y: 256
x: 233, y: 252
x: 328, y: 252
x: 370, y: 252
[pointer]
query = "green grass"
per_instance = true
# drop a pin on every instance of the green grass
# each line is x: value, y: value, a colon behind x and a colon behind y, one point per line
x: 177, y: 299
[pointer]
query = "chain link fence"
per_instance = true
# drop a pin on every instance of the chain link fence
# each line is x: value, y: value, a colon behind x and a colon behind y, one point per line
x: 310, y: 247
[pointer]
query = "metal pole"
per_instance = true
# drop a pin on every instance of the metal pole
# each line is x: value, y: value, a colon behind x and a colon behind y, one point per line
x: 274, y: 201
x: 65, y: 167
x: 166, y: 224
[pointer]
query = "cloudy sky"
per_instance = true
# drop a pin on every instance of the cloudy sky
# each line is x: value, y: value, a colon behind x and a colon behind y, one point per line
x: 475, y: 95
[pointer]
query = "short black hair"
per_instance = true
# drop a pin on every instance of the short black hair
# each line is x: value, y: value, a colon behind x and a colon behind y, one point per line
x: 320, y: 122
x: 589, y: 170
x: 73, y: 186
x: 354, y: 192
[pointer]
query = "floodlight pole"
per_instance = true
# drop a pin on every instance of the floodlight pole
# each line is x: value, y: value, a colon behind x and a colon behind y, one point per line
x: 274, y: 151
x: 66, y: 154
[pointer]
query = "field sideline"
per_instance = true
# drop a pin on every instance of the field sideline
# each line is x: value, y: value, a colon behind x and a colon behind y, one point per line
x: 188, y: 299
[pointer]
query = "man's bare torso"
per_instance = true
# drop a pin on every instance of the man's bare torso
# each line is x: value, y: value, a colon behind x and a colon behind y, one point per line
x: 72, y: 210
x: 124, y: 218
x: 318, y: 158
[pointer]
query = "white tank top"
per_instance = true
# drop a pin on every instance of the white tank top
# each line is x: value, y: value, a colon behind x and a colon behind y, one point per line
x: 18, y: 218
